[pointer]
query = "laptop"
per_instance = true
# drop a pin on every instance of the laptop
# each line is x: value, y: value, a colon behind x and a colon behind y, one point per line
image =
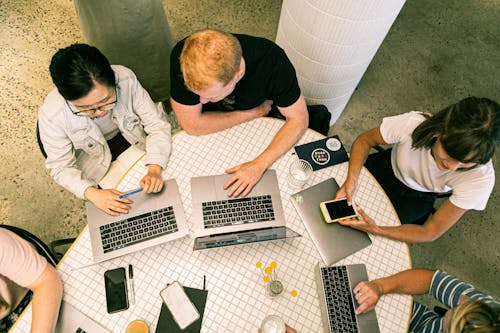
x: 333, y: 240
x: 337, y: 302
x: 72, y: 320
x: 219, y: 220
x: 154, y: 218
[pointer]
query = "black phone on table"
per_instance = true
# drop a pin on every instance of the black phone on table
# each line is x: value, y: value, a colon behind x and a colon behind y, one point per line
x: 115, y: 283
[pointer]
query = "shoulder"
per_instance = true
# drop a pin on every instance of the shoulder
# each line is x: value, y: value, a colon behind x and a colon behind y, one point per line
x: 399, y: 127
x: 123, y: 73
x: 53, y: 104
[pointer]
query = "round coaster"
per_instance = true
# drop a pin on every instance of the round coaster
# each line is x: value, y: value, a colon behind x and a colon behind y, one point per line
x: 320, y: 156
x: 333, y: 144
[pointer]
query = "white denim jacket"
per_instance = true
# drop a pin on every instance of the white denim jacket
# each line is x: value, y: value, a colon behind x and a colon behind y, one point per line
x: 78, y: 155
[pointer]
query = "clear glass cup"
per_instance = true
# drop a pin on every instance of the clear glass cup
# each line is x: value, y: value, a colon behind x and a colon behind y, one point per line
x: 137, y: 326
x: 273, y: 324
x: 300, y: 171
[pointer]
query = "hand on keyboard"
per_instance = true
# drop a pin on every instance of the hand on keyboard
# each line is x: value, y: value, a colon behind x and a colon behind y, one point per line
x: 244, y: 178
x: 367, y: 294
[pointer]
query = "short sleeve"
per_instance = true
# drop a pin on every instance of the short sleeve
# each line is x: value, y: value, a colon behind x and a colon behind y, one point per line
x: 19, y: 261
x: 399, y: 128
x: 286, y: 90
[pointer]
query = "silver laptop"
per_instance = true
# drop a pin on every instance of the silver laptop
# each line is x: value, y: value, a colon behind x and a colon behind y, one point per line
x: 153, y: 219
x: 337, y: 302
x: 72, y: 320
x: 219, y: 220
x: 333, y: 241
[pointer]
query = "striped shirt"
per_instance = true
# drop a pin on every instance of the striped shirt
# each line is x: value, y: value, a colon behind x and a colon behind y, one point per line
x: 446, y: 289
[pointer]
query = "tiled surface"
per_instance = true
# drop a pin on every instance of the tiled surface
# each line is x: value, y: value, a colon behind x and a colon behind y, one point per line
x: 236, y: 299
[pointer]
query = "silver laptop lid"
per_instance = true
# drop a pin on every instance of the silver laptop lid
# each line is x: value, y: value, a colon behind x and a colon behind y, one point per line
x: 142, y: 203
x: 244, y: 237
x: 333, y: 241
x: 211, y: 188
x: 70, y: 320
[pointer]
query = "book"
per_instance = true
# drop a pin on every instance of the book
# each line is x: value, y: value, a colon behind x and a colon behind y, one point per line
x: 120, y: 167
x: 166, y: 322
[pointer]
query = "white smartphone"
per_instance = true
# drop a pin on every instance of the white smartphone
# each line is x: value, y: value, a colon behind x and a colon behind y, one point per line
x: 179, y: 304
x: 336, y: 210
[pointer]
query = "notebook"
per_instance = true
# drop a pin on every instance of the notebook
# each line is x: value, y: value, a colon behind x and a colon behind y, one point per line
x: 166, y: 322
x: 219, y: 220
x: 333, y: 241
x: 72, y: 320
x: 337, y: 302
x: 155, y: 218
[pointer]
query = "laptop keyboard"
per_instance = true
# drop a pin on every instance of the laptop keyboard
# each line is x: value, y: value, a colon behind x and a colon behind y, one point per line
x: 237, y: 211
x: 138, y: 229
x: 339, y: 303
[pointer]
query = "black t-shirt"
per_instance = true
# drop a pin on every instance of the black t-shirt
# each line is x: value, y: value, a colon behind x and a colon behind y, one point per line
x: 269, y: 74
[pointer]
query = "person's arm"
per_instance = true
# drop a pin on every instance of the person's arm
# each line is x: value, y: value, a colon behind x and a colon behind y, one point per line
x: 414, y: 281
x: 47, y: 294
x: 359, y: 152
x: 246, y: 175
x: 440, y: 222
x: 195, y: 122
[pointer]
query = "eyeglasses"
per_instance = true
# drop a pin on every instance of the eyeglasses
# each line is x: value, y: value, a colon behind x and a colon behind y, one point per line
x: 91, y: 112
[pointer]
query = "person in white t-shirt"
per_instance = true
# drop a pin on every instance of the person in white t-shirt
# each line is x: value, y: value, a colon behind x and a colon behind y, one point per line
x: 22, y: 269
x: 450, y: 151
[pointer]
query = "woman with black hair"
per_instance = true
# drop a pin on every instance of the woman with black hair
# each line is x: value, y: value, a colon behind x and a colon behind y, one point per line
x: 449, y: 152
x: 95, y: 113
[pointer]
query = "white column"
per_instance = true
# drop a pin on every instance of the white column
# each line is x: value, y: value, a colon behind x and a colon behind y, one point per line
x: 331, y: 44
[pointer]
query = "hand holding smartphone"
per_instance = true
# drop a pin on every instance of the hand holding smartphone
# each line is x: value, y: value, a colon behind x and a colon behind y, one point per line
x: 179, y: 304
x: 115, y: 283
x: 336, y: 210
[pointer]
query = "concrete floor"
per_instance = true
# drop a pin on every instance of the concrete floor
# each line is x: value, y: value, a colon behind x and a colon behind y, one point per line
x: 435, y: 54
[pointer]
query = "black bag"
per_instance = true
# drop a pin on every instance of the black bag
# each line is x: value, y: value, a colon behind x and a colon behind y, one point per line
x: 319, y: 117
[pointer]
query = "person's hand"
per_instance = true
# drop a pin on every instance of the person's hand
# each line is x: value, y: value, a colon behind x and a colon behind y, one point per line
x: 108, y: 200
x: 347, y: 190
x: 367, y: 294
x: 263, y: 109
x: 288, y: 329
x: 244, y: 177
x: 366, y: 223
x: 152, y: 182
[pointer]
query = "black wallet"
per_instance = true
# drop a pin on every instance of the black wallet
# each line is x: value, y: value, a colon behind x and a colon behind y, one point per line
x: 166, y: 322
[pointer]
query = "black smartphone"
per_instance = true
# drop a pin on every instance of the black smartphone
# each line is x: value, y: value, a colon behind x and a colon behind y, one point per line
x: 115, y: 283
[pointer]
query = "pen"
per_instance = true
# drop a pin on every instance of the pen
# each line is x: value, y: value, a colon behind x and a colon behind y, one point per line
x: 128, y: 194
x: 131, y: 280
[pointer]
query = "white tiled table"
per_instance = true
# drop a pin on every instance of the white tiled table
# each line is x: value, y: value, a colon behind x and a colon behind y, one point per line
x: 236, y: 299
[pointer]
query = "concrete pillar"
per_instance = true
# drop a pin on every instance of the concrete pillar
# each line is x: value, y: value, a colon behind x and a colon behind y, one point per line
x: 331, y: 44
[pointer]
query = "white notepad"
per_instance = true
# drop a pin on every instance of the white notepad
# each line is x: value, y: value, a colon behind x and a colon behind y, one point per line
x: 120, y: 167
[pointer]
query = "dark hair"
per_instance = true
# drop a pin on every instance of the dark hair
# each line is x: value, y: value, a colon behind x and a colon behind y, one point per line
x: 76, y: 68
x: 468, y: 130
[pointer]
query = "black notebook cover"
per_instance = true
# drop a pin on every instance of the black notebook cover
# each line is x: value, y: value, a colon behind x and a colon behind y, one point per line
x: 167, y: 324
x: 323, y: 153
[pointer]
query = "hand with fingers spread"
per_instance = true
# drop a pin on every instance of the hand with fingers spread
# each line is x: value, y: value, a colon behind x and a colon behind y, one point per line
x: 108, y: 200
x: 152, y: 182
x: 243, y: 179
x: 366, y: 223
x: 367, y: 294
